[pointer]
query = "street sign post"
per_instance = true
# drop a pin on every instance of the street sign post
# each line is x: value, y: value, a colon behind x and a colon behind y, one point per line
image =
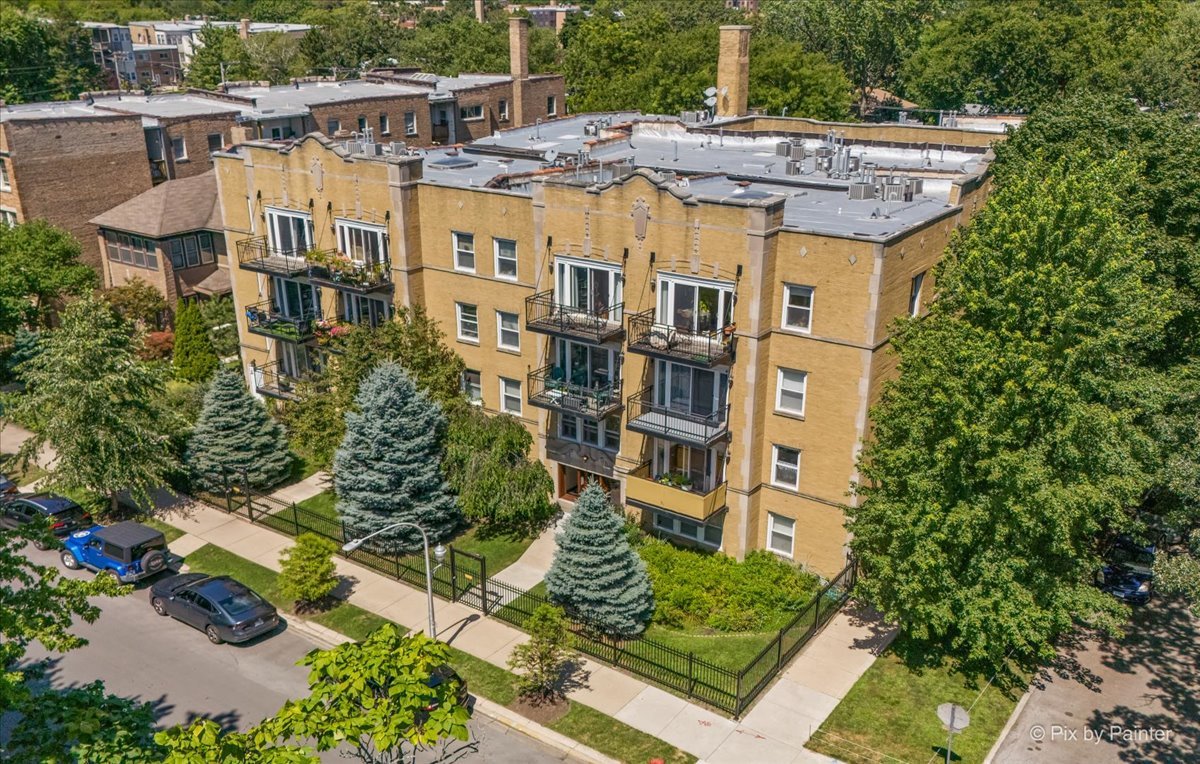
x: 954, y: 719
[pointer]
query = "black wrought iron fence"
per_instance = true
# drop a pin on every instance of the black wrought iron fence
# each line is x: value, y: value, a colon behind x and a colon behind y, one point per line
x: 464, y: 578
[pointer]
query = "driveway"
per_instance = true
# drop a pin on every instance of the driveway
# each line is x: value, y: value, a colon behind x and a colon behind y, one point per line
x: 171, y: 665
x: 1131, y: 700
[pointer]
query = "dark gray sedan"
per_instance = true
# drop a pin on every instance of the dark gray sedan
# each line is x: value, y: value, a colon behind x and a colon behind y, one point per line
x: 225, y: 610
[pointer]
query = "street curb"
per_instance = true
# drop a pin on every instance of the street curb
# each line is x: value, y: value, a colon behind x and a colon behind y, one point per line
x: 329, y: 638
x: 1012, y: 720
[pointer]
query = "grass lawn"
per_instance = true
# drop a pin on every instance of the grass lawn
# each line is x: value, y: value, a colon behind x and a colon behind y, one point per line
x: 733, y: 651
x: 893, y: 709
x: 500, y: 552
x: 348, y: 619
x: 11, y: 466
x: 169, y: 531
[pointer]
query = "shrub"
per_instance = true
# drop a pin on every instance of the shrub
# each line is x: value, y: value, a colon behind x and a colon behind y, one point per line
x: 702, y: 589
x: 543, y: 658
x: 307, y: 574
x: 157, y: 346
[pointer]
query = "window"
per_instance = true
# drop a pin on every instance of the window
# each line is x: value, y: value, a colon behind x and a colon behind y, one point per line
x: 360, y: 309
x: 385, y: 125
x: 605, y: 434
x: 914, y: 294
x: 506, y: 259
x: 508, y: 330
x: 693, y: 305
x: 179, y: 149
x: 332, y: 126
x: 468, y: 322
x: 216, y: 142
x: 363, y: 243
x: 208, y: 254
x: 584, y: 285
x: 503, y: 109
x: 288, y: 230
x: 797, y: 307
x: 410, y: 123
x: 781, y: 532
x: 8, y: 217
x: 472, y: 385
x: 709, y: 535
x: 132, y: 250
x: 464, y: 252
x: 785, y: 470
x: 5, y: 182
x: 551, y: 106
x: 471, y: 113
x: 362, y: 123
x: 790, y: 391
x: 510, y: 396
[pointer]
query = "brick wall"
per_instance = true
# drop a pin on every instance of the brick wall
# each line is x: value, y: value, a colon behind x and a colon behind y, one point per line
x: 68, y: 171
x: 348, y: 112
x: 537, y: 90
x: 195, y: 132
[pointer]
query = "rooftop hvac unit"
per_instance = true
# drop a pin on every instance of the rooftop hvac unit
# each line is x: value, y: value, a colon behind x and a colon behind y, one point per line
x: 353, y: 147
x: 783, y: 148
x: 797, y: 151
x: 795, y: 167
x: 893, y: 189
x: 824, y: 163
x: 622, y: 168
x: 591, y: 128
x: 824, y: 151
x: 668, y: 176
x: 855, y: 163
x: 689, y: 117
x: 916, y: 187
x: 860, y: 191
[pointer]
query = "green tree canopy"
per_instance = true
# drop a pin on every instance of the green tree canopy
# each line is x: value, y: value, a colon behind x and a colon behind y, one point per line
x: 39, y: 265
x: 194, y: 359
x: 785, y: 78
x: 44, y: 61
x: 96, y: 404
x: 1010, y: 441
x: 235, y: 439
x: 217, y: 45
x: 138, y: 302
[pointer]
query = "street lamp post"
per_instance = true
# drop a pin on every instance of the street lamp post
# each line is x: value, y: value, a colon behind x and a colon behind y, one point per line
x: 439, y: 554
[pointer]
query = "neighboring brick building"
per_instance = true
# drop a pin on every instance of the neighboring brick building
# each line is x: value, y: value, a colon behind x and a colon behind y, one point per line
x: 157, y: 66
x: 171, y: 237
x: 695, y: 318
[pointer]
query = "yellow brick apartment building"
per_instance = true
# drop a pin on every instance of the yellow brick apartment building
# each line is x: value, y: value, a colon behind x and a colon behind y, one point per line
x: 696, y: 316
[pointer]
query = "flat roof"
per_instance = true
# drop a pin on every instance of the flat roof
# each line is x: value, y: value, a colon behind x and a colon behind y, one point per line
x: 50, y: 110
x: 451, y: 85
x: 167, y: 106
x: 284, y: 100
x: 152, y: 46
x: 448, y: 167
x: 563, y: 135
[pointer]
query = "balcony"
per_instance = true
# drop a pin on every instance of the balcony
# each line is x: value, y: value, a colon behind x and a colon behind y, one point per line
x: 679, y: 344
x: 674, y: 424
x: 256, y: 255
x: 674, y: 493
x: 271, y: 381
x: 543, y: 314
x: 328, y: 333
x: 335, y: 270
x: 265, y: 319
x: 550, y: 389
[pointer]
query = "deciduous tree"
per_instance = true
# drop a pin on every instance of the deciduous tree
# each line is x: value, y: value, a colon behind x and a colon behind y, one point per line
x: 595, y: 575
x: 39, y: 265
x: 138, y: 303
x: 542, y: 660
x: 307, y: 574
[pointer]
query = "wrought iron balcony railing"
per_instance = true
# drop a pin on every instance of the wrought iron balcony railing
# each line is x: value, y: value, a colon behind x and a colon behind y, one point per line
x: 549, y: 388
x: 702, y: 348
x: 271, y: 380
x: 543, y: 313
x: 256, y: 255
x: 336, y: 270
x: 674, y: 423
x: 264, y: 318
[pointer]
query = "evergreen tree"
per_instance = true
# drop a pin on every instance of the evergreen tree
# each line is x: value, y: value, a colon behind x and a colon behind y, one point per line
x: 596, y: 576
x: 195, y: 359
x: 26, y: 346
x: 388, y: 468
x: 236, y: 435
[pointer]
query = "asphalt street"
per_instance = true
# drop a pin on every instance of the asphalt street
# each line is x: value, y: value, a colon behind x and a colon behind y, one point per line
x: 166, y: 662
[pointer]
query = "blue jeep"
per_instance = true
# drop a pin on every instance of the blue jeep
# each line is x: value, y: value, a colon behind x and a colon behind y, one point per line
x: 128, y: 551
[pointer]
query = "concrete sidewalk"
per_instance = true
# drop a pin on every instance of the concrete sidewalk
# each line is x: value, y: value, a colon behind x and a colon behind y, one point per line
x: 531, y: 567
x: 773, y: 732
x: 307, y: 488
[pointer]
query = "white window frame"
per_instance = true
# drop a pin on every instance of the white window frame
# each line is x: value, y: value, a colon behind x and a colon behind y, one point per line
x: 551, y: 106
x: 503, y: 109
x: 776, y: 462
x: 788, y: 291
x: 513, y: 331
x: 505, y: 395
x: 471, y: 113
x: 458, y: 312
x: 363, y: 123
x: 668, y: 289
x: 790, y: 534
x: 275, y: 216
x: 665, y: 522
x: 333, y: 126
x: 609, y: 438
x: 914, y: 294
x: 8, y: 217
x: 474, y: 392
x: 410, y: 123
x: 347, y: 229
x: 456, y: 239
x: 5, y: 180
x: 385, y: 125
x: 565, y: 293
x: 779, y: 379
x: 496, y: 242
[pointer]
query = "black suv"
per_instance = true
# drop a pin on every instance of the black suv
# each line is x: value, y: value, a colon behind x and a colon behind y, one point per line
x: 224, y: 609
x: 63, y: 515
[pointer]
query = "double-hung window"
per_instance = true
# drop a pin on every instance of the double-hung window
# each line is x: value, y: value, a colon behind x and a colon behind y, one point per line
x: 508, y: 330
x: 410, y: 123
x: 385, y: 125
x: 791, y: 390
x: 797, y: 307
x: 472, y: 385
x: 468, y: 322
x: 785, y: 467
x: 503, y: 109
x: 179, y: 149
x: 464, y: 252
x: 506, y: 259
x: 362, y: 123
x: 510, y: 396
x: 781, y: 534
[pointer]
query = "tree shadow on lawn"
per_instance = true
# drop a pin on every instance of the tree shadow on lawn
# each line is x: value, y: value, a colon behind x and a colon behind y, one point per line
x: 881, y: 633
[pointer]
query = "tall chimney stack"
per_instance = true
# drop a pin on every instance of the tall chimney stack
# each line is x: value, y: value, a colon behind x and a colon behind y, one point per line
x: 518, y: 63
x: 479, y: 11
x: 244, y: 29
x: 733, y: 71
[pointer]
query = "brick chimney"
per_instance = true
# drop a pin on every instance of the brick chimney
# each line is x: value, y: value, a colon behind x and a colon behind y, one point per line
x: 518, y: 64
x: 479, y: 11
x: 733, y: 71
x: 244, y: 29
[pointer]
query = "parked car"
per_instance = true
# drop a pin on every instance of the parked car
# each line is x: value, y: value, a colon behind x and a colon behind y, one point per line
x: 224, y: 609
x: 61, y: 515
x: 443, y: 674
x: 1128, y: 573
x: 129, y: 551
x: 8, y: 488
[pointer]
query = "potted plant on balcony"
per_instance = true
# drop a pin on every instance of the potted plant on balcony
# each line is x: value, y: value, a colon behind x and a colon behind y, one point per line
x: 679, y: 480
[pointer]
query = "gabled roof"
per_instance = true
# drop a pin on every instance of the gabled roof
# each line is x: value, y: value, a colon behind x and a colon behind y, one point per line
x: 177, y: 206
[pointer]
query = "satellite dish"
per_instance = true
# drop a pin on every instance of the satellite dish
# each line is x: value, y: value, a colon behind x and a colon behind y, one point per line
x: 710, y: 101
x: 550, y: 155
x: 725, y: 91
x: 710, y: 92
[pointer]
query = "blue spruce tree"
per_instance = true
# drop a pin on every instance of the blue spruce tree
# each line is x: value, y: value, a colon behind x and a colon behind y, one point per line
x: 389, y: 466
x: 235, y: 439
x: 596, y: 576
